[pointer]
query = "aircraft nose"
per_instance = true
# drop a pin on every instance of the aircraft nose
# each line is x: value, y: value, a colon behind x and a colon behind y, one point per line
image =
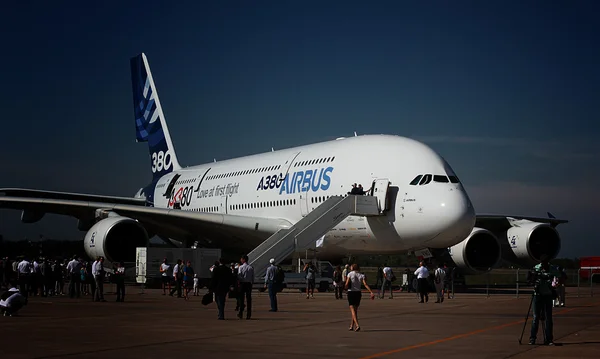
x: 456, y: 215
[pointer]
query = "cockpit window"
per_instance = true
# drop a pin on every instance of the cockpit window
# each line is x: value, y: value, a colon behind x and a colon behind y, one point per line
x: 416, y: 180
x: 442, y: 179
x: 454, y: 179
x: 426, y: 179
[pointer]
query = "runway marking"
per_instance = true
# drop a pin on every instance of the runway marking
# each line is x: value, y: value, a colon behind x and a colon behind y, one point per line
x: 458, y: 336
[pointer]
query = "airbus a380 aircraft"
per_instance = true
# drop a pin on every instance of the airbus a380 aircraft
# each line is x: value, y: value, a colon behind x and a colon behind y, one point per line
x: 237, y: 204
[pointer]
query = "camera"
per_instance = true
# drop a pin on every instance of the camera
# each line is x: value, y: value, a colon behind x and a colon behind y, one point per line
x: 537, y: 278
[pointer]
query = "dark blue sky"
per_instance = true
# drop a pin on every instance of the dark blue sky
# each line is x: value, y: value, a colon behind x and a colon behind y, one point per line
x: 508, y: 93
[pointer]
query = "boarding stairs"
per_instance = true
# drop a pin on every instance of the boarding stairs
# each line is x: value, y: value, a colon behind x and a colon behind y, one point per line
x: 309, y: 229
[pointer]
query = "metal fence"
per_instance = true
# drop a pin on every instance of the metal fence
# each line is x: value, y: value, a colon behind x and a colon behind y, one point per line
x: 505, y: 281
x: 497, y: 281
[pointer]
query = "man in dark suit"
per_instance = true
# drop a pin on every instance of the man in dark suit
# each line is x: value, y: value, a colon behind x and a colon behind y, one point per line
x: 221, y: 280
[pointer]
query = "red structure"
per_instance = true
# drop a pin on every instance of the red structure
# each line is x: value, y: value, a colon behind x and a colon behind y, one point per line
x: 589, y: 265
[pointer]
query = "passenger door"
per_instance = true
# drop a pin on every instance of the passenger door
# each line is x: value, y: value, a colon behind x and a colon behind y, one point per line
x: 380, y: 190
x: 303, y: 201
x: 223, y: 207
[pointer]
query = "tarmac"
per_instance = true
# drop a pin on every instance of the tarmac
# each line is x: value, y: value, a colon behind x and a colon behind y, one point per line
x: 151, y: 325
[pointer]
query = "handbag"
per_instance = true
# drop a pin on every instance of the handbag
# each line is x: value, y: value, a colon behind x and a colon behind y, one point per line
x: 207, y: 298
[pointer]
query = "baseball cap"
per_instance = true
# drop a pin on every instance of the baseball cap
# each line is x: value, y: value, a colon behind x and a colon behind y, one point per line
x: 272, y: 260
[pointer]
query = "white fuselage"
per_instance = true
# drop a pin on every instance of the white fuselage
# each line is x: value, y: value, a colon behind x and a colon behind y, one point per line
x: 287, y: 184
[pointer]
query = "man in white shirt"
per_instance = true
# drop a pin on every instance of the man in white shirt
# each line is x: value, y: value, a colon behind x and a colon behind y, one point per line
x: 422, y: 274
x: 98, y: 273
x: 345, y: 273
x: 439, y: 277
x: 166, y: 279
x: 387, y: 281
x: 245, y: 277
x: 74, y: 271
x: 24, y: 276
x: 271, y: 285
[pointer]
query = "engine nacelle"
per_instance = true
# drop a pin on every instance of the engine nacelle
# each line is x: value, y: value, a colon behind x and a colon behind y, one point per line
x: 527, y: 241
x: 478, y: 253
x: 115, y: 239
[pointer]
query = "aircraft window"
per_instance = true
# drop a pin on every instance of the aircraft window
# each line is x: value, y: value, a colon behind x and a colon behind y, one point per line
x: 439, y: 178
x: 453, y: 179
x: 415, y: 181
x: 426, y: 179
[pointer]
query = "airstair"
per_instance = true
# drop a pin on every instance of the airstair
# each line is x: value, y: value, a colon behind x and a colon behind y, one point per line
x: 310, y: 228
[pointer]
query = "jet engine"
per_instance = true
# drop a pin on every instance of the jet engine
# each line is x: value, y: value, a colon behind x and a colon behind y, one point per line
x: 478, y: 253
x: 527, y: 241
x: 115, y: 239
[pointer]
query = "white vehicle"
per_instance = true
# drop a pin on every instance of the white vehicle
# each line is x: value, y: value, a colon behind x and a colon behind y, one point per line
x: 149, y: 259
x: 280, y: 202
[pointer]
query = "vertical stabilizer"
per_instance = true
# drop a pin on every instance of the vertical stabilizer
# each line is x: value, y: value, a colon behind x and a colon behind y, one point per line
x: 150, y: 124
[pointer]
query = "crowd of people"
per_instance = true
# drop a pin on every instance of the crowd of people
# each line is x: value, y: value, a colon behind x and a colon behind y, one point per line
x: 45, y: 277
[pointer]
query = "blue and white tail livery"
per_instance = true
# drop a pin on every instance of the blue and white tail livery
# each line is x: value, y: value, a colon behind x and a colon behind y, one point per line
x: 150, y: 125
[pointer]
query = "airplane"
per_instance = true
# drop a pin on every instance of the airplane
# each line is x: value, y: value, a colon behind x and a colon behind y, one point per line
x: 239, y: 203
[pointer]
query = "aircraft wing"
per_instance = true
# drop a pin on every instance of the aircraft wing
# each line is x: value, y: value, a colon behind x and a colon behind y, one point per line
x: 224, y: 230
x: 499, y: 222
x: 34, y: 193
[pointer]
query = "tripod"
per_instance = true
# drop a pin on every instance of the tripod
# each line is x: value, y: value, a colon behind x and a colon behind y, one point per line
x: 542, y: 319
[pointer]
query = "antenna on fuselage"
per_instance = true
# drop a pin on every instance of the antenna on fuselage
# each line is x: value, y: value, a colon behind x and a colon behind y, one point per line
x: 355, y: 134
x: 272, y: 149
x: 214, y: 159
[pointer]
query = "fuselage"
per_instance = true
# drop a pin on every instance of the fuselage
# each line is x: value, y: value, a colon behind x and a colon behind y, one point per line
x: 430, y: 211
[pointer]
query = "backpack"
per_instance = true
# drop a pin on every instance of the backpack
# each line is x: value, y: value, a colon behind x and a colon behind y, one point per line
x: 337, y: 276
x: 279, y: 275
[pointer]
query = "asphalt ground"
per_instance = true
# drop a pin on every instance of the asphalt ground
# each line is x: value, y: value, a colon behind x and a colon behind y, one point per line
x: 151, y: 325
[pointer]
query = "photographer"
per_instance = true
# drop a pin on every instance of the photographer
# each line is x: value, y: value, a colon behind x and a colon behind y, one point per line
x: 543, y: 296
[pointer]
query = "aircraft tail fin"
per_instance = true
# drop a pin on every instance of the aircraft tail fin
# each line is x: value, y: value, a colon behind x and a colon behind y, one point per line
x: 150, y: 124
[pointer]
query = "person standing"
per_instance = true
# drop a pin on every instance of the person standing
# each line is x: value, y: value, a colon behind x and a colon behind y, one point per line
x: 387, y: 281
x: 560, y: 287
x: 353, y: 285
x: 24, y: 274
x: 311, y: 274
x: 245, y: 277
x: 422, y: 274
x: 338, y: 282
x: 177, y: 278
x: 188, y: 279
x: 542, y: 275
x: 379, y: 277
x: 220, y: 281
x: 74, y: 269
x: 120, y: 281
x: 166, y: 278
x: 98, y: 272
x: 439, y: 277
x: 270, y: 284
